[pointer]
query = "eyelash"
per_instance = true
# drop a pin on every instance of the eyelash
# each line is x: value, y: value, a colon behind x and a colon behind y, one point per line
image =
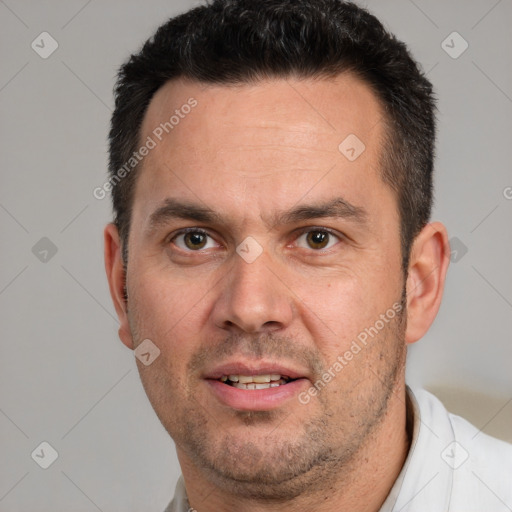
x: 303, y: 231
x: 324, y: 250
x: 184, y: 231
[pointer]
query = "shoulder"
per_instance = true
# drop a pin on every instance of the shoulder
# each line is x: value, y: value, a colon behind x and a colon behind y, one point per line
x: 481, y: 465
x: 486, y: 475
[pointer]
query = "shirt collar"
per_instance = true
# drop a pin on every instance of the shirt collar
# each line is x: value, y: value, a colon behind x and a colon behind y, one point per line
x: 425, y: 482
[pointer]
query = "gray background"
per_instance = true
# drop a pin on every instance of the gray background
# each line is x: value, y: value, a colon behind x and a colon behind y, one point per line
x: 66, y: 378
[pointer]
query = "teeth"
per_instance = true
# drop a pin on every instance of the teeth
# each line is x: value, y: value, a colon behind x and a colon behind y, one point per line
x: 251, y: 385
x: 260, y: 379
x: 254, y: 385
x: 264, y: 381
x: 246, y: 379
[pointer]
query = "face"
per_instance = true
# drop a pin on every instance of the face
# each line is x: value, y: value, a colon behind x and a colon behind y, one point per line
x: 264, y: 263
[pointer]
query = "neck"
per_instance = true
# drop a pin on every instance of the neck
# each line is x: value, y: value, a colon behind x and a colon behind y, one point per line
x: 363, y: 485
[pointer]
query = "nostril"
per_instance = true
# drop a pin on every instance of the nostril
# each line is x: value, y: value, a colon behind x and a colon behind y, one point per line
x: 272, y: 325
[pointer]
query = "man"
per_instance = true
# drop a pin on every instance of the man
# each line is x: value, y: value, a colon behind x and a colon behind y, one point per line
x: 272, y: 257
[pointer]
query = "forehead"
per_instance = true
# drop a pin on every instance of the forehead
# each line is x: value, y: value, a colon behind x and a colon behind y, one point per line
x: 317, y: 113
x: 267, y: 143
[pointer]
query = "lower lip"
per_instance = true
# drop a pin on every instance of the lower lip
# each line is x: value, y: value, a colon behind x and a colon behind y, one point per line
x: 256, y: 399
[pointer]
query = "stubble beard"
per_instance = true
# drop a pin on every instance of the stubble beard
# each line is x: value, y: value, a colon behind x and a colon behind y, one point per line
x: 280, y: 469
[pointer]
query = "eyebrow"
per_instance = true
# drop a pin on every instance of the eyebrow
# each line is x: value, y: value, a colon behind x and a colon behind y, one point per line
x: 176, y: 209
x: 337, y: 208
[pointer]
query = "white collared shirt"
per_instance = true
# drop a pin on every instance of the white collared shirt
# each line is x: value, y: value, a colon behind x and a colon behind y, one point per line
x: 451, y: 466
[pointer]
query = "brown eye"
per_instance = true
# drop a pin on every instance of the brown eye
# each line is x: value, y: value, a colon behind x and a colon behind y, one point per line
x: 193, y: 241
x: 317, y: 239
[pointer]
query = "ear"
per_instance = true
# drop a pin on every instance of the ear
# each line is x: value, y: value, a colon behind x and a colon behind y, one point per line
x: 116, y: 280
x: 429, y: 260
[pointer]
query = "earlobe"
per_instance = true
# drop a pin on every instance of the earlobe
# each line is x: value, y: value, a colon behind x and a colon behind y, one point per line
x: 428, y: 265
x: 116, y: 280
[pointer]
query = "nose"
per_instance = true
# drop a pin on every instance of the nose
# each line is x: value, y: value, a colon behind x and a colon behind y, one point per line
x: 253, y: 299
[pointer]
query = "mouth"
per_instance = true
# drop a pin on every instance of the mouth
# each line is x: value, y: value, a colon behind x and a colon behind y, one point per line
x: 264, y: 381
x: 255, y: 387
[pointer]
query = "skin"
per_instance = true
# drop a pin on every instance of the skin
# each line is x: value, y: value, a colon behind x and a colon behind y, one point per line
x: 248, y: 154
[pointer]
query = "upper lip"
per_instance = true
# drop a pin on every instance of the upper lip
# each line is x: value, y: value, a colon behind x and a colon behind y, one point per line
x: 250, y: 369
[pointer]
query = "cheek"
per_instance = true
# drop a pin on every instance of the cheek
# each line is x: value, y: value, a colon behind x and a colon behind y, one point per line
x: 165, y: 301
x: 165, y: 317
x: 336, y: 309
x: 159, y: 310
